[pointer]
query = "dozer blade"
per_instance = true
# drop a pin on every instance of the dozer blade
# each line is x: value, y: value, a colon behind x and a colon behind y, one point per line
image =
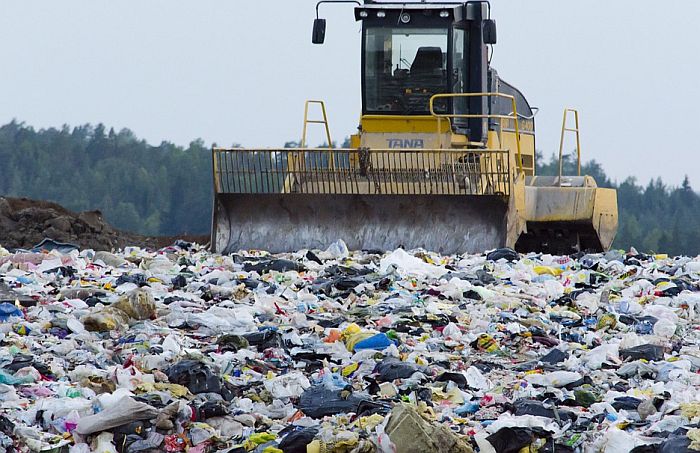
x: 449, y: 201
x: 290, y: 222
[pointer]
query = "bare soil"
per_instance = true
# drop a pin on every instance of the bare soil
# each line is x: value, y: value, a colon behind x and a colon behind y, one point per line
x: 24, y: 223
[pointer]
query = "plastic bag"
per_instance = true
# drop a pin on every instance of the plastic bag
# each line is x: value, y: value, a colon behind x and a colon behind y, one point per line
x: 504, y: 253
x: 103, y: 444
x: 648, y: 352
x: 194, y: 375
x: 338, y: 250
x: 410, y: 265
x: 318, y: 401
x: 391, y: 368
x: 290, y: 385
x: 126, y: 410
x: 538, y: 409
x: 8, y: 310
x: 79, y: 448
x: 297, y: 440
x: 555, y: 379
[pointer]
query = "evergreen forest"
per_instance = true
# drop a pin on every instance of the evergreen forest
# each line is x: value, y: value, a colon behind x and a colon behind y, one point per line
x: 167, y: 189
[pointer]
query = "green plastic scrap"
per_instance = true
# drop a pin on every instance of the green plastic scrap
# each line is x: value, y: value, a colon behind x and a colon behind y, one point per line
x: 574, y: 440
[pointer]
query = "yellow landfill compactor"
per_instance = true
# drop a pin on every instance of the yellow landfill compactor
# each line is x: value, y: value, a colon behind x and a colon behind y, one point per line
x: 444, y: 157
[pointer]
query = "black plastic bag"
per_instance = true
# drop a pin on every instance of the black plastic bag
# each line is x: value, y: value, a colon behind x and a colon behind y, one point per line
x: 511, y: 440
x: 194, y: 375
x: 296, y: 441
x: 538, y: 409
x: 391, y: 368
x: 505, y: 253
x: 318, y: 401
x: 555, y: 356
x: 648, y: 352
x: 266, y: 266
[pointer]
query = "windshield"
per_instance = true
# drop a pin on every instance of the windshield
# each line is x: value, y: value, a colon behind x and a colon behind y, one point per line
x: 404, y: 68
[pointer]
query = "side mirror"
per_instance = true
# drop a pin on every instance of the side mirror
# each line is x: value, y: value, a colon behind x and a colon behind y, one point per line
x: 490, y: 35
x: 319, y: 34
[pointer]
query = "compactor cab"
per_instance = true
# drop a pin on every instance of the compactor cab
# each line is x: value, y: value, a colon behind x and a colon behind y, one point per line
x: 444, y: 156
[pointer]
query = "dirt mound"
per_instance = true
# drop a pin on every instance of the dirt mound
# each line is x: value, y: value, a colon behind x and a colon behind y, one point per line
x: 25, y: 223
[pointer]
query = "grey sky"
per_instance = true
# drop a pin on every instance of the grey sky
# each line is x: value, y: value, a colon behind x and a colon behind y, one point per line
x: 233, y: 71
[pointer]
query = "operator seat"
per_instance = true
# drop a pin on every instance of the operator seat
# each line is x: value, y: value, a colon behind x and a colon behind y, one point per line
x: 428, y: 61
x: 426, y: 79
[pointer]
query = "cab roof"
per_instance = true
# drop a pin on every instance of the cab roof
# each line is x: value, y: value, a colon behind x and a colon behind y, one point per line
x: 458, y: 10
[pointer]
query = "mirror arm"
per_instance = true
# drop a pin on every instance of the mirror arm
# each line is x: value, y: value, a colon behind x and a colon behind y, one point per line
x: 336, y: 1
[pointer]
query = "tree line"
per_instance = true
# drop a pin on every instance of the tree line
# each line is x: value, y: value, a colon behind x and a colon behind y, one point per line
x: 152, y: 190
x: 167, y: 189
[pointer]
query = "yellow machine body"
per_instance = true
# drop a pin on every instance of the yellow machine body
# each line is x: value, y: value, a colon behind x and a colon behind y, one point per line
x: 449, y: 171
x: 443, y: 196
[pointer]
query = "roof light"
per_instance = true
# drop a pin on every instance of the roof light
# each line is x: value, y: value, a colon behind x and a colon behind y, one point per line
x: 364, y: 13
x: 381, y: 14
x: 405, y: 18
x: 444, y: 14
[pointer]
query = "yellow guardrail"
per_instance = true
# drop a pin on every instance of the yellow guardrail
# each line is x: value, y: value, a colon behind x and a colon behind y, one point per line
x: 513, y: 116
x: 362, y: 171
x: 323, y: 121
x: 565, y: 129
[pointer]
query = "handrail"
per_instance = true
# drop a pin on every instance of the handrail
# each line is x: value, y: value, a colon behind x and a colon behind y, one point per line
x: 307, y: 121
x: 448, y: 171
x: 513, y: 115
x: 535, y: 111
x: 565, y: 129
x: 221, y: 149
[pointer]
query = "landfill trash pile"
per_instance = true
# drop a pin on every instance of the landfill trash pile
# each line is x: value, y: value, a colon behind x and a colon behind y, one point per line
x: 26, y: 223
x: 339, y: 351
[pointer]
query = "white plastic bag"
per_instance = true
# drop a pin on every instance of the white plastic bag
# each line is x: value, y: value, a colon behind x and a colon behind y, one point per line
x: 555, y: 379
x: 410, y: 265
x: 104, y: 444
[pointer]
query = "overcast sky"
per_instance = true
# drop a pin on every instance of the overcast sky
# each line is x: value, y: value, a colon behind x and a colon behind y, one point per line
x: 238, y: 72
